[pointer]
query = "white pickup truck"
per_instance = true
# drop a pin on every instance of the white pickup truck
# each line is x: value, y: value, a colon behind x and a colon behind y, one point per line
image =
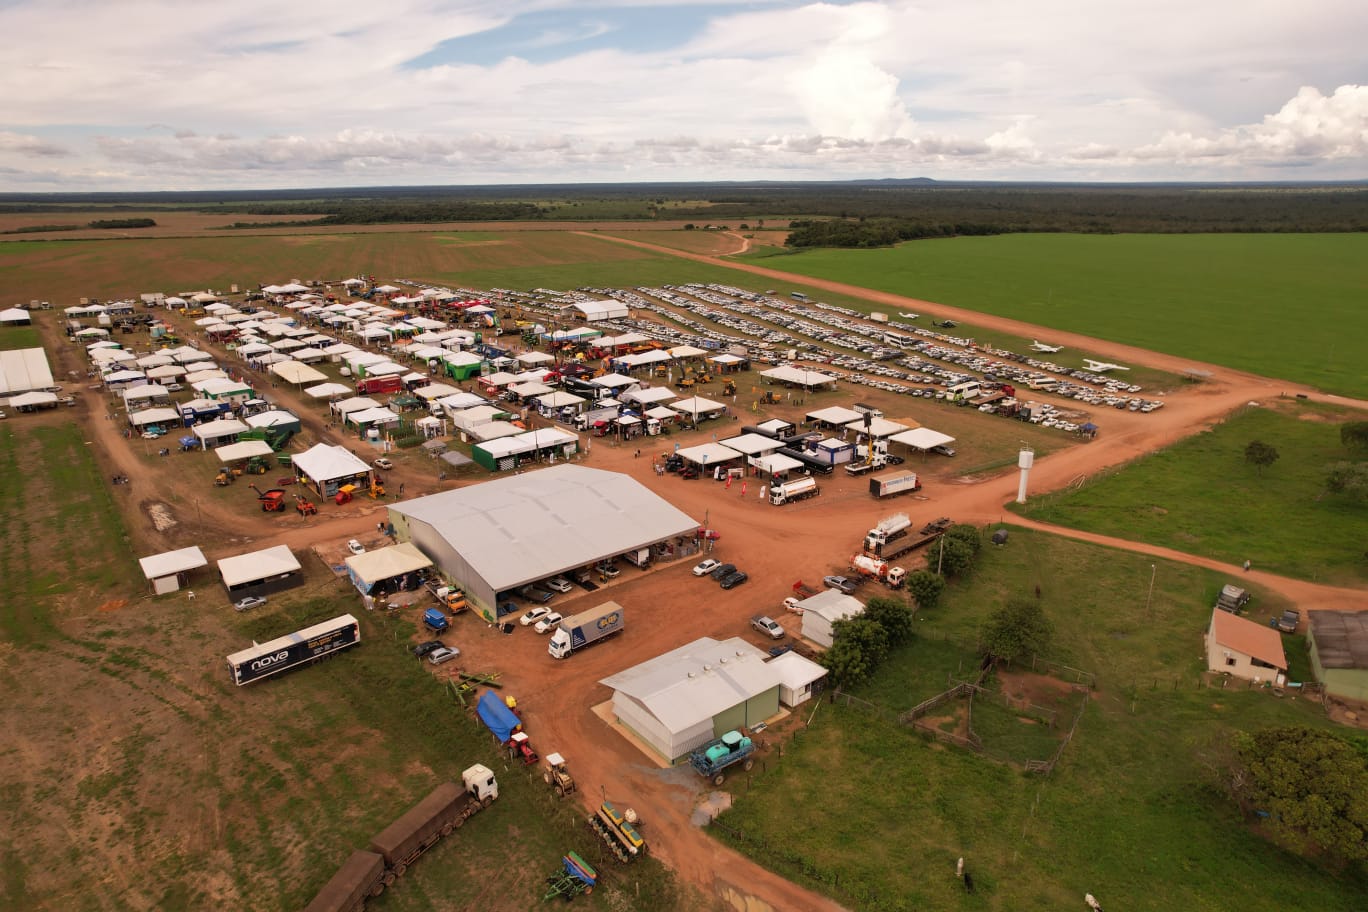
x: 768, y: 626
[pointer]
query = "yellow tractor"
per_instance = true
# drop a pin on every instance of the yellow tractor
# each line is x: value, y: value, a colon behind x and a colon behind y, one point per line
x: 377, y: 490
x: 558, y: 776
x: 224, y: 478
x: 729, y: 387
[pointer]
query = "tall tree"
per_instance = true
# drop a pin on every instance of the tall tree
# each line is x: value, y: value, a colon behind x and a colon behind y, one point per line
x: 925, y: 588
x: 1354, y: 435
x: 1260, y: 455
x: 1017, y: 629
x: 895, y: 617
x: 859, y: 645
x: 1311, y: 783
x: 1349, y: 479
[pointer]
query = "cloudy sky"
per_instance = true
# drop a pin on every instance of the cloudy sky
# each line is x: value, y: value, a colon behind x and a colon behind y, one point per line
x: 189, y: 94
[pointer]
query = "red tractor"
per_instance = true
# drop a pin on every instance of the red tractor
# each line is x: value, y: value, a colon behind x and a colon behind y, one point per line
x: 305, y: 507
x: 520, y: 748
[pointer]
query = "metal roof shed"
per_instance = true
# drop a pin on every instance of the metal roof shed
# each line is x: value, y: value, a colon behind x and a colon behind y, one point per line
x: 752, y: 444
x: 500, y: 534
x: 683, y: 699
x: 260, y: 572
x: 370, y: 570
x: 797, y: 675
x: 825, y: 608
x: 166, y: 570
x: 326, y: 468
x: 922, y: 438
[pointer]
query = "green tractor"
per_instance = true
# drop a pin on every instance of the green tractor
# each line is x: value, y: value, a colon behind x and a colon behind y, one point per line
x: 258, y: 465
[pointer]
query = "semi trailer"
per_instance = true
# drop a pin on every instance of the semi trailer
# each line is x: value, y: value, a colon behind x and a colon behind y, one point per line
x: 890, y: 484
x: 303, y: 647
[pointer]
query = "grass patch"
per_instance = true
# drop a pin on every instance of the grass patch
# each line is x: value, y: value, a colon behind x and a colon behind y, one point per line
x: 13, y: 337
x: 876, y: 816
x: 1200, y: 496
x: 1284, y: 305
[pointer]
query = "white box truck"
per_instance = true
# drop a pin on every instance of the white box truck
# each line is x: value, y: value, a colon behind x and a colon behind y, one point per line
x: 585, y: 629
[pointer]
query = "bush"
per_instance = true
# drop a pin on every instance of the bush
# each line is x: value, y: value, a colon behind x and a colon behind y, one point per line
x: 1016, y: 630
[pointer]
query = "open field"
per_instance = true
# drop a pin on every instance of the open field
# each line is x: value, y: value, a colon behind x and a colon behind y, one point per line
x: 873, y: 814
x: 137, y: 777
x: 1278, y: 305
x: 1201, y: 496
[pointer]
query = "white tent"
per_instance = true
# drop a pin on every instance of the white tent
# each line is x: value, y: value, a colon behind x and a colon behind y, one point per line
x: 297, y: 373
x: 797, y: 376
x: 323, y: 462
x: 686, y: 351
x: 328, y: 390
x: 217, y: 429
x: 258, y: 565
x: 535, y: 357
x: 835, y: 414
x: 878, y: 427
x: 244, y: 450
x: 922, y: 438
x: 154, y: 416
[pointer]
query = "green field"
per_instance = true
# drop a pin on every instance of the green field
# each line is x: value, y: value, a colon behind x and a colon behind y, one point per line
x: 1279, y: 305
x: 138, y: 777
x: 1200, y: 496
x: 876, y: 816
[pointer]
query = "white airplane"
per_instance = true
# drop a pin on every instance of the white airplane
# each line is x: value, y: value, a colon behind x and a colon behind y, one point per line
x: 1101, y: 367
x: 1042, y: 347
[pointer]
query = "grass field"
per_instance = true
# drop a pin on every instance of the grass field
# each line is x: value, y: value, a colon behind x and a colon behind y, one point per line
x: 1281, y: 305
x: 877, y: 816
x: 1200, y: 496
x: 137, y: 777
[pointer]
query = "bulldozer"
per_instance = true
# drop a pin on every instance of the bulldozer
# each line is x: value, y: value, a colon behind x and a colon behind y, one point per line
x: 558, y: 776
x: 272, y: 501
x: 305, y: 507
x: 224, y: 478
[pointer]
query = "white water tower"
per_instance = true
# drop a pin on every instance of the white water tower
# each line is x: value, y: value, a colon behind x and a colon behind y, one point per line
x: 1024, y: 461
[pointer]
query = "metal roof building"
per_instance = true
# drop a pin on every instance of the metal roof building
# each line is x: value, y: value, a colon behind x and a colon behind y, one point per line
x: 683, y: 699
x: 1338, y: 642
x: 491, y: 537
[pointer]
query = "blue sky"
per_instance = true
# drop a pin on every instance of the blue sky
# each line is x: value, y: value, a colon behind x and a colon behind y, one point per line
x: 185, y: 94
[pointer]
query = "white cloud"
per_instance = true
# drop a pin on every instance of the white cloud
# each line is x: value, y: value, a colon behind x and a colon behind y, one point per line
x: 252, y: 93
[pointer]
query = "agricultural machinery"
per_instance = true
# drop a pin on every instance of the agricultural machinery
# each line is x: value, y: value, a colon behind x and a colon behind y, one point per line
x: 558, y: 776
x: 618, y: 831
x: 272, y: 501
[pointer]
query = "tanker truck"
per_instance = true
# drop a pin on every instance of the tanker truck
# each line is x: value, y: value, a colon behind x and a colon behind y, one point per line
x: 888, y: 529
x: 879, y: 569
x: 790, y: 491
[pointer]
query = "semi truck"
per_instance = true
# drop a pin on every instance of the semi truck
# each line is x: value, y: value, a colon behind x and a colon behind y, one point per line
x: 303, y: 647
x: 798, y: 489
x: 367, y: 873
x: 889, y: 529
x: 585, y: 629
x: 712, y: 759
x: 891, y: 484
x: 897, y: 547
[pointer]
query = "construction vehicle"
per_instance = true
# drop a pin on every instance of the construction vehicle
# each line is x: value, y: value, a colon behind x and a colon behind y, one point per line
x: 879, y: 569
x: 224, y: 478
x: 272, y: 501
x: 712, y: 759
x: 790, y: 491
x: 770, y: 398
x: 890, y: 484
x: 368, y: 873
x: 450, y: 597
x: 558, y: 776
x: 305, y: 507
x: 575, y: 877
x: 618, y: 831
x: 377, y: 488
x: 729, y: 387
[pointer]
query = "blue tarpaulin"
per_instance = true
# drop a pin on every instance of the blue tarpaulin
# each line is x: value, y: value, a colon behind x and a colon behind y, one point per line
x: 501, y: 720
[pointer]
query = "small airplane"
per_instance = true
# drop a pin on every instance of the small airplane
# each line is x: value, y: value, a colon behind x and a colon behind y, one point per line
x: 1101, y: 367
x: 1042, y: 347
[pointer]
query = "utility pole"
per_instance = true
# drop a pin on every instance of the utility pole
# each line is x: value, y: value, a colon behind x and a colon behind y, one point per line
x: 1154, y: 569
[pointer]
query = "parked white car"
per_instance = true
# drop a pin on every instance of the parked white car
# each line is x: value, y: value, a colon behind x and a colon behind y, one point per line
x: 559, y: 584
x: 548, y: 623
x: 533, y: 616
x: 708, y: 566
